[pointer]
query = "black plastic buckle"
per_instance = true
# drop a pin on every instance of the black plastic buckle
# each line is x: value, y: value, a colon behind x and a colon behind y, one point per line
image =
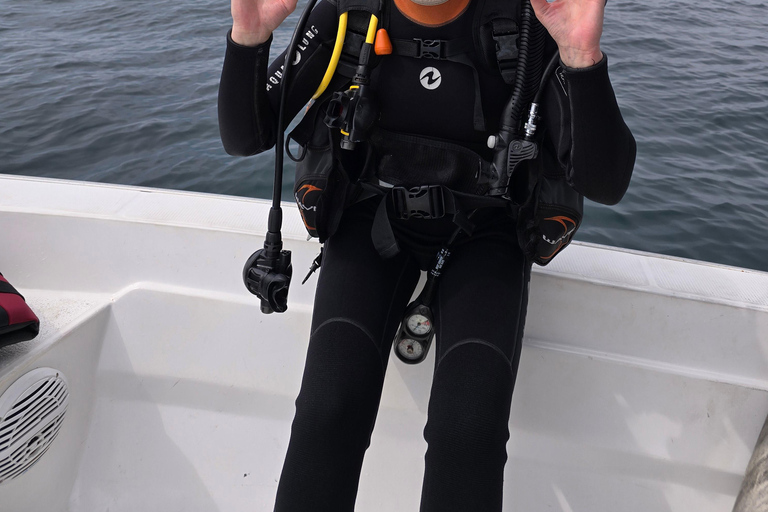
x: 429, y: 48
x: 424, y: 202
x: 506, y: 34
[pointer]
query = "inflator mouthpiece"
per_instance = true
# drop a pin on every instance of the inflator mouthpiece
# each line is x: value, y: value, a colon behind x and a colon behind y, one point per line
x: 507, y: 158
x: 354, y: 112
x: 267, y: 274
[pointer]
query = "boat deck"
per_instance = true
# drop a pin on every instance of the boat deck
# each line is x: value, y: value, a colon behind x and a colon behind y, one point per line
x: 643, y: 381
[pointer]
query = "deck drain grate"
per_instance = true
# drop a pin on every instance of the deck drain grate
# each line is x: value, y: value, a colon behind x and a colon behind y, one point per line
x: 31, y: 413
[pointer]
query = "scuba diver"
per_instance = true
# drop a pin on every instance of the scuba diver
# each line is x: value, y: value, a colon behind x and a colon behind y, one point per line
x: 413, y: 145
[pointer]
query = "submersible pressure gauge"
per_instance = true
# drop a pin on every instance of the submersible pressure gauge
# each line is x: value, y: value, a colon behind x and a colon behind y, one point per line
x: 415, y: 335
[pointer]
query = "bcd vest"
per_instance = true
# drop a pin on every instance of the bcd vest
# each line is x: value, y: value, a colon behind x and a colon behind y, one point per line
x: 423, y: 177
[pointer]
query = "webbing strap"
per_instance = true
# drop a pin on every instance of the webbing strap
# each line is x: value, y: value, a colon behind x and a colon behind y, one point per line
x: 478, y: 116
x: 432, y: 48
x: 505, y: 33
x: 497, y: 19
x: 381, y: 233
x: 431, y: 202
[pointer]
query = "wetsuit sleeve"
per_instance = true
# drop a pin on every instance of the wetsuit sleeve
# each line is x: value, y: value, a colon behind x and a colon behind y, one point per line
x: 594, y: 147
x: 249, y: 90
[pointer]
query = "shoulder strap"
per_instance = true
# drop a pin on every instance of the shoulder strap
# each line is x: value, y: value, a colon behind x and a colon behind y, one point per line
x: 496, y: 32
x: 359, y: 15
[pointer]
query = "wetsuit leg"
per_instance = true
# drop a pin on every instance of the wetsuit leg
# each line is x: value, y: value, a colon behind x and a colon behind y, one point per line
x: 480, y: 316
x: 358, y: 306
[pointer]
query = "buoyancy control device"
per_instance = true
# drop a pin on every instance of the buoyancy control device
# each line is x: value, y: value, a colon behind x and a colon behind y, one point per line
x: 328, y: 177
x: 509, y: 40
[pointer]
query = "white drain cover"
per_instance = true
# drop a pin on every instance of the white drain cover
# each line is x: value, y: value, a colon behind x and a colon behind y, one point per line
x: 31, y: 413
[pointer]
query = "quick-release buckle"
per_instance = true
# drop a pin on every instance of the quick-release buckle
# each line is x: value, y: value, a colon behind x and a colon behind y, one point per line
x: 429, y: 48
x: 506, y: 34
x: 424, y: 202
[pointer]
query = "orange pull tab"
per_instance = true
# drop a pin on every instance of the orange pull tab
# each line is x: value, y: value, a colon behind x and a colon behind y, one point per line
x: 382, y: 45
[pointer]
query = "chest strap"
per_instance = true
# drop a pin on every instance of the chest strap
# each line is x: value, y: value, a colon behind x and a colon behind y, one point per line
x: 432, y: 48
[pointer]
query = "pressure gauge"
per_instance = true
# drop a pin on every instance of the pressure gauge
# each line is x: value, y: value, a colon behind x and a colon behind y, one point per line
x: 415, y: 334
x: 418, y: 324
x: 409, y: 349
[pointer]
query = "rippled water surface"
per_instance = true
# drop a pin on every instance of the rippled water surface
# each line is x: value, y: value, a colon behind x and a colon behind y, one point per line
x: 125, y: 92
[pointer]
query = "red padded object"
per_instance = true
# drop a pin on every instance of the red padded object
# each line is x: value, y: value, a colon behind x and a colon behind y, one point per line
x: 17, y: 321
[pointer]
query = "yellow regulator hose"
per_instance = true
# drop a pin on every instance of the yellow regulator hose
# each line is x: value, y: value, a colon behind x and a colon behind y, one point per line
x: 372, y: 29
x: 340, y: 34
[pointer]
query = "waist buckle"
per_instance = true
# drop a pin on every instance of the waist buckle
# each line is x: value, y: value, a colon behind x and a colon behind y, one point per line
x: 424, y: 202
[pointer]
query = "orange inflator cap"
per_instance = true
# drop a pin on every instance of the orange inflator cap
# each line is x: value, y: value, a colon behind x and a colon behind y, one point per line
x: 382, y: 45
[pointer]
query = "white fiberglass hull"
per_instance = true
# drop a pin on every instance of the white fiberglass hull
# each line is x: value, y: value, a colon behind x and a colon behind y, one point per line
x: 643, y: 380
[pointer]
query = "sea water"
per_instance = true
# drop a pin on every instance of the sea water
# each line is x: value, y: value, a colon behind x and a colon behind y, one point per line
x: 125, y: 92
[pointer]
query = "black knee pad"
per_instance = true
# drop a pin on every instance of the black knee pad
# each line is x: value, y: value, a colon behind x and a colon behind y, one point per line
x: 467, y: 430
x: 335, y: 413
x: 470, y: 401
x: 342, y: 382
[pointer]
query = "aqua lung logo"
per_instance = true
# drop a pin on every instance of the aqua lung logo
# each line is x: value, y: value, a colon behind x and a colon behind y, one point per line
x: 277, y: 76
x: 430, y: 78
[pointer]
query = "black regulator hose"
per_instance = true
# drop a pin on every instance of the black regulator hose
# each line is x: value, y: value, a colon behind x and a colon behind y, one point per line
x: 277, y: 189
x: 530, y: 62
x: 553, y: 62
x: 510, y: 148
x: 267, y: 273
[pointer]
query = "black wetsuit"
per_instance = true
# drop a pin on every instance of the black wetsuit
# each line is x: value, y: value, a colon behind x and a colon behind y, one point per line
x: 361, y: 297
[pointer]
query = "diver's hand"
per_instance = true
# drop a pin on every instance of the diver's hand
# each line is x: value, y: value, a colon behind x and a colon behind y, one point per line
x: 253, y: 21
x: 576, y: 27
